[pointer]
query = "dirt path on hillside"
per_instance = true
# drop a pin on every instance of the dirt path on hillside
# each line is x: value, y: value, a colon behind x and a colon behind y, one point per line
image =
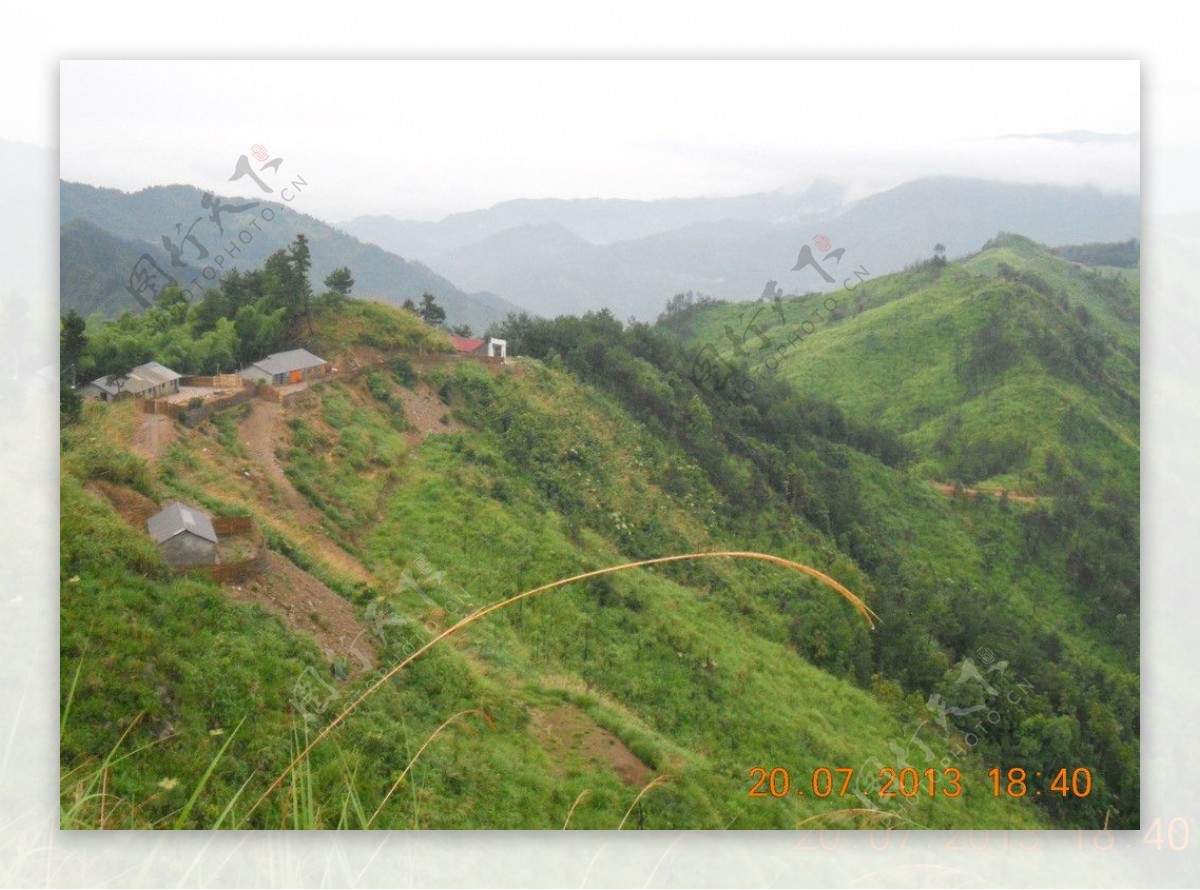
x: 264, y: 430
x: 306, y: 604
x: 154, y: 433
x: 424, y: 411
x: 308, y: 607
x: 948, y: 491
x: 566, y: 733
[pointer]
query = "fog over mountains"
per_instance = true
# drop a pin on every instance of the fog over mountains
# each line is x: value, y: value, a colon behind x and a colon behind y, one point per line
x: 555, y: 256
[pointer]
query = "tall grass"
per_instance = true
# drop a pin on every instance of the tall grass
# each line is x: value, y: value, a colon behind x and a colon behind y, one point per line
x: 854, y: 600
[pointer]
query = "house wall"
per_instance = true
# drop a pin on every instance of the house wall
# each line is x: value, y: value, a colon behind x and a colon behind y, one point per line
x: 186, y: 549
x: 215, y: 381
x: 161, y: 389
x: 301, y: 375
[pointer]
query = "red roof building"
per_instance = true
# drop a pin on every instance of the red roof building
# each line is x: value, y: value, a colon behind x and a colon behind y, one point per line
x: 469, y: 345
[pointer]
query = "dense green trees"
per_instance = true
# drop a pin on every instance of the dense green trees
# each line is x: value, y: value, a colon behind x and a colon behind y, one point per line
x: 248, y: 315
x: 338, y: 284
x: 430, y: 311
x: 71, y: 342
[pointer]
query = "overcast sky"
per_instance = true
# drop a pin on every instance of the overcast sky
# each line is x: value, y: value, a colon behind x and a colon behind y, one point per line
x: 422, y: 139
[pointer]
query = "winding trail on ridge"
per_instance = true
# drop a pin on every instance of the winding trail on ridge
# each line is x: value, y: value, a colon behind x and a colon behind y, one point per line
x: 263, y: 430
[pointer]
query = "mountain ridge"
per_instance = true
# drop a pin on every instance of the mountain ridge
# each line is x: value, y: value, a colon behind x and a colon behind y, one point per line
x: 732, y: 257
x: 148, y: 215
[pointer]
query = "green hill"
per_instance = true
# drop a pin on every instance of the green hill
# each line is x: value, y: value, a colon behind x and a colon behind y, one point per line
x: 986, y: 369
x: 412, y: 490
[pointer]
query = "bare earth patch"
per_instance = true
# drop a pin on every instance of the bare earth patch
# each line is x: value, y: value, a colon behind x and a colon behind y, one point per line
x: 566, y: 734
x: 134, y: 507
x: 263, y: 430
x: 425, y: 412
x: 305, y: 604
x: 154, y: 433
x: 309, y: 607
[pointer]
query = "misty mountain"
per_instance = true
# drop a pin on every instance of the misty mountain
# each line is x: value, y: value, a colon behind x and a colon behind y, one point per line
x: 95, y: 267
x: 597, y: 220
x: 733, y: 256
x: 252, y: 230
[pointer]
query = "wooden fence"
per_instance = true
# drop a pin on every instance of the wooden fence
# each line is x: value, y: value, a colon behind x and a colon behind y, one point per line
x: 240, y: 570
x: 216, y: 381
x: 269, y: 393
x: 192, y: 416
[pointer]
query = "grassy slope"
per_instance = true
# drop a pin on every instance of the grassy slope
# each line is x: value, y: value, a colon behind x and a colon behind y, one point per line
x: 692, y: 668
x: 1040, y: 420
x: 898, y: 358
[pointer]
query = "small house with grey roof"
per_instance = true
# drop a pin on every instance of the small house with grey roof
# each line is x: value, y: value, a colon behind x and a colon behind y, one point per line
x: 283, y: 368
x: 148, y: 381
x: 184, y: 536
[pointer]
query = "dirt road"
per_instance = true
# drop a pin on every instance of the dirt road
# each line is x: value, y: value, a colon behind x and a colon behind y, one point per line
x: 1016, y: 498
x: 264, y: 430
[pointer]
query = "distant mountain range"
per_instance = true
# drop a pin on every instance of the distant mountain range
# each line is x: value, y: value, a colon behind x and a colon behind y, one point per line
x: 595, y: 220
x: 553, y: 257
x: 103, y: 231
x: 631, y: 256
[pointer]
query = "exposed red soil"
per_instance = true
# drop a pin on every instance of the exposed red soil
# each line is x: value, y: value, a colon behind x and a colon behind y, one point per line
x: 264, y: 430
x: 426, y: 413
x: 309, y: 607
x: 134, y: 507
x: 566, y: 734
x: 1015, y: 497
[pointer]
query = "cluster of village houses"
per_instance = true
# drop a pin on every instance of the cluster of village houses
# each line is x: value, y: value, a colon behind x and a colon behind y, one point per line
x: 184, y: 534
x: 155, y: 381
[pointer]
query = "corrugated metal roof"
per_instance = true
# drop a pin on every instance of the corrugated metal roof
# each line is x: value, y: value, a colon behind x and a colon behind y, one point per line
x: 140, y: 379
x: 286, y: 362
x: 176, y: 518
x: 155, y: 373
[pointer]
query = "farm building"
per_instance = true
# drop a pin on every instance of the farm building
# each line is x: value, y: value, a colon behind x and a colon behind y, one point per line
x: 148, y: 381
x: 282, y: 368
x: 489, y: 348
x: 184, y: 535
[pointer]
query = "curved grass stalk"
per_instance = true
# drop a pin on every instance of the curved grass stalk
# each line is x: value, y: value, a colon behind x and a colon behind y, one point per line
x: 571, y: 812
x: 861, y: 607
x: 654, y: 783
x: 432, y: 736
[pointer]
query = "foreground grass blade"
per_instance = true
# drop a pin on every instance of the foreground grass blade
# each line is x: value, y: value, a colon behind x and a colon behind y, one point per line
x: 432, y: 736
x: 181, y: 822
